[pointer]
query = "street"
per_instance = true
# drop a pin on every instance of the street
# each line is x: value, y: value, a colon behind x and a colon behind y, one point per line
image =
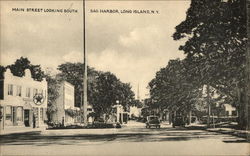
x: 132, y: 139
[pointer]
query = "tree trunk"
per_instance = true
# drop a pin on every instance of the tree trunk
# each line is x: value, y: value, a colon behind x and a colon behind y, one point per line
x: 189, y: 117
x: 242, y: 109
x: 208, y: 106
x: 247, y: 100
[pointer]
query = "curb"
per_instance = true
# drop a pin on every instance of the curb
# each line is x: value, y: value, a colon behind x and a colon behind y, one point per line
x: 245, y: 134
x: 18, y: 133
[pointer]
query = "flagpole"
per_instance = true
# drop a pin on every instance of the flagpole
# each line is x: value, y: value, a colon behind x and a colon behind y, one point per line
x: 85, y: 100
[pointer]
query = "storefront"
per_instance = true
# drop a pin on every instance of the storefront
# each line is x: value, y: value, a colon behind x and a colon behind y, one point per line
x: 19, y: 107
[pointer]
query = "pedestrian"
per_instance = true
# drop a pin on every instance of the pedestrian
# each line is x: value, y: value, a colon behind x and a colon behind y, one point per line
x: 63, y: 121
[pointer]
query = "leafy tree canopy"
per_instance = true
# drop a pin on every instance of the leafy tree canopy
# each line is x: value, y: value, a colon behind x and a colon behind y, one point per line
x: 104, y: 88
x: 23, y: 63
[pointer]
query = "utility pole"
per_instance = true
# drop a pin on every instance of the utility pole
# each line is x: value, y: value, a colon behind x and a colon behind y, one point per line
x: 85, y: 100
x: 208, y: 106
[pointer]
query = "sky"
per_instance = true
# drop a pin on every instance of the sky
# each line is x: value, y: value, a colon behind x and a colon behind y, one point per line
x: 133, y: 46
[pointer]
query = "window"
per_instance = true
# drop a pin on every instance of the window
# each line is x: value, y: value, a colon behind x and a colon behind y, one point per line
x: 18, y: 91
x: 10, y: 89
x: 27, y: 92
x: 8, y: 113
x: 35, y: 92
x: 234, y: 113
x: 19, y: 114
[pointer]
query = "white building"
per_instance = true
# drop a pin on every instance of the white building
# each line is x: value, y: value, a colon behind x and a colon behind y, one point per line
x: 23, y: 101
x: 229, y: 110
x: 134, y: 111
x: 65, y: 104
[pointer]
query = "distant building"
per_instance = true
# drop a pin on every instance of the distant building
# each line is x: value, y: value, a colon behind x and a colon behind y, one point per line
x: 229, y: 110
x: 65, y: 105
x: 134, y: 111
x: 23, y: 101
x: 118, y: 114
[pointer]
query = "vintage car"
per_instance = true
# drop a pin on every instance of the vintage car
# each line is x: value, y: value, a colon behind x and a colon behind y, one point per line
x: 179, y: 121
x: 153, y: 121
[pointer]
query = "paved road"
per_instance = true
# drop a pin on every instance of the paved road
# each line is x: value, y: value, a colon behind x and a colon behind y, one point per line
x: 133, y: 139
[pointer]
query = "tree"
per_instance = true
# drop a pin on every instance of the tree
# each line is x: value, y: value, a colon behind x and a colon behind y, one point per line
x: 2, y: 70
x: 109, y: 89
x: 216, y: 32
x: 23, y: 63
x: 104, y: 88
x: 248, y: 74
x: 73, y: 73
x: 171, y: 88
x: 53, y: 93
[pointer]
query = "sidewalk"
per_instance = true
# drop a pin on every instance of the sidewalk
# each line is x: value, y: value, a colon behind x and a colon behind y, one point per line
x: 239, y: 133
x: 17, y: 130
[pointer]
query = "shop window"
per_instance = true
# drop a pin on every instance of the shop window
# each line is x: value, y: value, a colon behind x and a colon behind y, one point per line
x: 27, y: 92
x: 10, y: 89
x: 8, y: 112
x: 1, y: 90
x: 18, y: 91
x: 19, y: 114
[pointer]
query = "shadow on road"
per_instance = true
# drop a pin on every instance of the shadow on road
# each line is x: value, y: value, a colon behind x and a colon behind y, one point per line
x: 134, y: 135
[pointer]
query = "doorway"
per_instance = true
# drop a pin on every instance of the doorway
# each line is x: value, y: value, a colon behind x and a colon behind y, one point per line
x: 27, y: 118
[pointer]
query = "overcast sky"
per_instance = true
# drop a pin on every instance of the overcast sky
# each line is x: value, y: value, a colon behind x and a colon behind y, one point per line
x: 132, y: 46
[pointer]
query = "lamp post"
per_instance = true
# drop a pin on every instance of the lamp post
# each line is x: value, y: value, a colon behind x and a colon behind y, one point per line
x: 117, y: 111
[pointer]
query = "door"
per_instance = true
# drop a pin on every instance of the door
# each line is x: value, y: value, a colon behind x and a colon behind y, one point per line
x: 14, y: 116
x: 27, y: 118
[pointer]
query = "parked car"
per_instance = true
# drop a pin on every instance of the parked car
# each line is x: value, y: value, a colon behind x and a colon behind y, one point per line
x: 153, y: 121
x: 179, y: 121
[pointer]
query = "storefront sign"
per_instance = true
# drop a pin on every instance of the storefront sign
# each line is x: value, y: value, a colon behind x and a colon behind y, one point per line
x: 38, y: 99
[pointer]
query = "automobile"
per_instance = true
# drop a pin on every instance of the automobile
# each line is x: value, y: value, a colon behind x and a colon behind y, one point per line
x: 153, y: 121
x: 179, y: 121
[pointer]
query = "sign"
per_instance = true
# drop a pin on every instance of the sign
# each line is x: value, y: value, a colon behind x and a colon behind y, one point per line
x: 38, y: 99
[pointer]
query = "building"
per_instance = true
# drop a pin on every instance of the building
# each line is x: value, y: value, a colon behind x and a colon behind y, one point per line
x: 134, y: 112
x: 23, y: 101
x: 65, y: 103
x: 119, y: 115
x: 229, y: 110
